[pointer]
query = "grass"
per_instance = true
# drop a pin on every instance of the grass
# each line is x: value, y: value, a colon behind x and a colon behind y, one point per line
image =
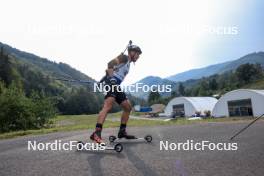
x: 81, y: 122
x: 256, y: 85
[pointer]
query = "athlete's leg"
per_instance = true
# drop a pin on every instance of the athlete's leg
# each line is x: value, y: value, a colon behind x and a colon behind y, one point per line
x: 126, y: 111
x: 124, y: 119
x: 108, y: 104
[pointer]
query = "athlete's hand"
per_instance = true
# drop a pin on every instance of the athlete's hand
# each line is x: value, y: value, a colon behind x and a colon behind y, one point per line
x: 110, y: 72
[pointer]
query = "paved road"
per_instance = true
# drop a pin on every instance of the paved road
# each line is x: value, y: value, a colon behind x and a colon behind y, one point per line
x: 142, y: 158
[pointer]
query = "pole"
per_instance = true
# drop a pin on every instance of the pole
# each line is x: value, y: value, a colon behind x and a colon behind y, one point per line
x: 74, y: 80
x: 243, y: 129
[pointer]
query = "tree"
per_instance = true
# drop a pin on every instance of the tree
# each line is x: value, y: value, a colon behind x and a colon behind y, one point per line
x: 154, y: 97
x: 181, y: 89
x: 247, y: 73
x: 174, y: 94
x: 18, y: 112
x: 81, y: 101
x: 213, y: 85
x: 203, y: 88
x: 8, y: 72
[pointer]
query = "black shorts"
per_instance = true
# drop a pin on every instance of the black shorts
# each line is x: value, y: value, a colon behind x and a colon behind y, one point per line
x: 118, y: 94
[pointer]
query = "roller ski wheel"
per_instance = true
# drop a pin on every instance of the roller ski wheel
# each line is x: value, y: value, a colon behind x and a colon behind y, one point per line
x: 148, y: 138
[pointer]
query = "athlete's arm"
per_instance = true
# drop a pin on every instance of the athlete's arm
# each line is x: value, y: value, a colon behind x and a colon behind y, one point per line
x: 114, y: 62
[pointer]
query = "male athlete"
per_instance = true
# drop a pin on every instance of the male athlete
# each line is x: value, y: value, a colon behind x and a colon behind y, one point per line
x: 116, y: 72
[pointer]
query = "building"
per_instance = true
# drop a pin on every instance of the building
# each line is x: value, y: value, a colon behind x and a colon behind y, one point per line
x: 189, y: 106
x: 139, y: 108
x: 241, y: 102
x: 157, y: 108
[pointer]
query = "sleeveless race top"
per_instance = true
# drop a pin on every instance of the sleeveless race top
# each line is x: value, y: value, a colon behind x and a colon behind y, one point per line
x: 121, y: 70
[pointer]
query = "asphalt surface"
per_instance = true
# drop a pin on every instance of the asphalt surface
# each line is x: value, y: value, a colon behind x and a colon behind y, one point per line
x: 141, y: 158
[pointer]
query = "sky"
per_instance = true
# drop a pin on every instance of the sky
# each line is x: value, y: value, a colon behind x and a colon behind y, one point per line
x: 175, y: 36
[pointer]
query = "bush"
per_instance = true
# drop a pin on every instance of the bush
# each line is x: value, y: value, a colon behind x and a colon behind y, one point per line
x: 18, y: 112
x: 198, y: 113
x: 43, y: 108
x: 207, y: 113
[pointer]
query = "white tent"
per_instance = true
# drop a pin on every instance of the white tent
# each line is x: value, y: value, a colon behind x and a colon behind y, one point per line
x: 188, y: 106
x: 241, y: 102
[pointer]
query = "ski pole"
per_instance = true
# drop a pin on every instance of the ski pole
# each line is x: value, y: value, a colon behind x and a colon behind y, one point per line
x: 243, y: 129
x: 74, y: 80
x: 105, y: 76
x: 129, y: 44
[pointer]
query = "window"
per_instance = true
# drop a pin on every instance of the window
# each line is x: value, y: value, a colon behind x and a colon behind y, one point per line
x: 240, y: 107
x: 178, y: 110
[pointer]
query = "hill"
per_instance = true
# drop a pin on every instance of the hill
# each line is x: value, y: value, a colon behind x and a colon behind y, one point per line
x: 36, y: 74
x: 218, y: 68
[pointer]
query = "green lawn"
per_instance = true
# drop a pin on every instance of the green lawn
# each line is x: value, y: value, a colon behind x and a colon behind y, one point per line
x: 81, y: 122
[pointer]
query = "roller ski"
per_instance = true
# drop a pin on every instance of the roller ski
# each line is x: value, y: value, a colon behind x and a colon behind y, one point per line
x: 98, y: 144
x: 122, y: 135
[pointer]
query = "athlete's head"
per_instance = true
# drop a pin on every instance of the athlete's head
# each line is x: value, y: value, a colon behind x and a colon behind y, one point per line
x: 134, y: 52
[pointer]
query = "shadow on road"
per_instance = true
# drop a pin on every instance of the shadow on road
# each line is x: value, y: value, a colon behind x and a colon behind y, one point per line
x: 95, y: 157
x: 136, y: 160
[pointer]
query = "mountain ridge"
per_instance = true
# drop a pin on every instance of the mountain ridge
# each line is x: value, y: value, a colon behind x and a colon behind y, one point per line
x: 191, y: 77
x: 255, y: 57
x: 45, y: 65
